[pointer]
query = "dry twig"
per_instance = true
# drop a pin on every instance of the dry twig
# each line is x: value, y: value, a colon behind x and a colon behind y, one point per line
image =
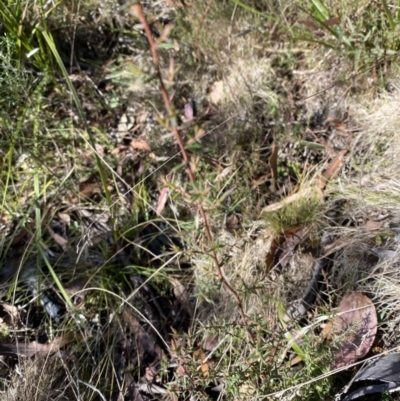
x: 137, y: 11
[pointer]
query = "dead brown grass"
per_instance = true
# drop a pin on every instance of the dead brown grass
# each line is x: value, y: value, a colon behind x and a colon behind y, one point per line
x: 40, y: 379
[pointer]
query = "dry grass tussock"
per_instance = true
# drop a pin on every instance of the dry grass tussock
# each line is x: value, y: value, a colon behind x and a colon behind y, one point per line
x: 376, y: 189
x: 370, y: 197
x: 265, y: 293
x: 380, y: 137
x: 321, y: 76
x: 374, y: 194
x: 40, y: 379
x: 236, y: 70
x: 246, y: 258
x: 244, y: 81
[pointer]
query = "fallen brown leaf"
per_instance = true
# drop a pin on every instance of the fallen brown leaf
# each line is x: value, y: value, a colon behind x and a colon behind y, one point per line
x: 232, y: 222
x: 35, y: 348
x: 371, y: 225
x: 5, y: 218
x: 166, y: 31
x: 297, y: 359
x: 210, y: 342
x: 201, y: 357
x: 326, y: 332
x: 90, y: 185
x: 334, y: 167
x: 12, y: 312
x: 198, y: 135
x: 336, y: 122
x: 162, y: 200
x: 59, y: 239
x: 272, y: 256
x: 290, y: 244
x: 314, y: 26
x: 260, y: 180
x: 140, y: 144
x: 354, y: 329
x: 118, y: 149
x: 65, y: 218
x: 224, y: 173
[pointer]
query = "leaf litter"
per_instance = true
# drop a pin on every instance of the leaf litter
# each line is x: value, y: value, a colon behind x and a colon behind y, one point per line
x: 354, y: 329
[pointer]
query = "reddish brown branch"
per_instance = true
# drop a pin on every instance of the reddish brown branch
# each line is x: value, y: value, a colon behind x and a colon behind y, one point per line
x: 137, y: 10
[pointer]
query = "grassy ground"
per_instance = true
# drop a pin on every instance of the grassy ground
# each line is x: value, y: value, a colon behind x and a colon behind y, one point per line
x: 122, y: 277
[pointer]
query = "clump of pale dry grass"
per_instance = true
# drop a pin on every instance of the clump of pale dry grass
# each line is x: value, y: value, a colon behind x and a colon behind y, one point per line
x: 244, y: 81
x: 39, y: 379
x: 384, y: 284
x: 379, y: 140
x: 236, y: 52
x: 265, y: 294
x: 245, y: 258
x: 380, y: 123
x: 323, y: 96
x: 374, y: 191
x: 372, y: 196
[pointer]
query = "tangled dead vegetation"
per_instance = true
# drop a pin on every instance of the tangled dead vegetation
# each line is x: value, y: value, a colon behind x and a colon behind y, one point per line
x: 42, y: 379
x: 363, y: 242
x: 129, y: 275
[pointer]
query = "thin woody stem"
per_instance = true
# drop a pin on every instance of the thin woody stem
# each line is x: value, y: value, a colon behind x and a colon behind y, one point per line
x: 137, y: 10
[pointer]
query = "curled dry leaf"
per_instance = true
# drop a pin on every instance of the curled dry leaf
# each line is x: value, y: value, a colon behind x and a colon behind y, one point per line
x: 89, y: 186
x: 224, y: 173
x: 354, y: 329
x: 288, y: 247
x: 60, y: 240
x: 65, y: 218
x: 277, y: 251
x: 140, y: 144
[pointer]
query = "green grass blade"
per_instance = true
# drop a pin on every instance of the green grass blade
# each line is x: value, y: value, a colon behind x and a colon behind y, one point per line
x: 251, y: 9
x: 321, y: 13
x: 56, y: 279
x: 389, y: 15
x: 50, y: 42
